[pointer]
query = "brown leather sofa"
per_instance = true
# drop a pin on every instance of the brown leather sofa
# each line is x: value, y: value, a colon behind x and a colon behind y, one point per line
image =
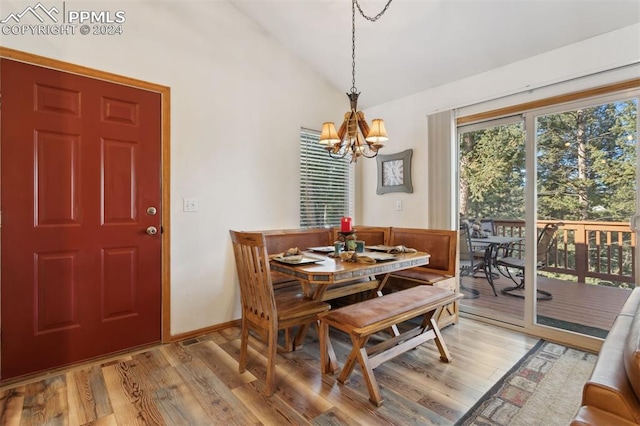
x: 611, y: 396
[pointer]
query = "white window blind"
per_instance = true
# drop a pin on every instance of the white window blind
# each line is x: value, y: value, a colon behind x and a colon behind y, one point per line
x: 326, y: 189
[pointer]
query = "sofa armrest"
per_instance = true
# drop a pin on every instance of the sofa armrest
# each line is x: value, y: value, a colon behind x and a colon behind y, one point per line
x: 609, y: 388
x: 591, y: 416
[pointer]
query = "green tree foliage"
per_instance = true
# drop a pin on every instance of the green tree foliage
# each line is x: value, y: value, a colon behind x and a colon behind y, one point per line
x: 492, y: 172
x: 586, y: 165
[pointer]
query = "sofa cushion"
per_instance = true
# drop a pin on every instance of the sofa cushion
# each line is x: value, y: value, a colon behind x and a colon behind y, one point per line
x: 632, y: 355
x: 632, y: 306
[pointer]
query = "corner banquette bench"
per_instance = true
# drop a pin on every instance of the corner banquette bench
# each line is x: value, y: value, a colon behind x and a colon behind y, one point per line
x: 441, y: 270
x: 611, y: 396
x: 440, y: 244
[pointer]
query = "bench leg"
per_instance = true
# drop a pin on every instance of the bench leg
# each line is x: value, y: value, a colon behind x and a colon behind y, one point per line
x: 393, y: 330
x: 442, y: 347
x: 357, y: 344
x: 369, y: 377
x: 328, y: 360
x: 359, y: 354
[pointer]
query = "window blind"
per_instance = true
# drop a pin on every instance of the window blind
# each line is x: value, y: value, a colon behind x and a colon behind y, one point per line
x: 326, y: 193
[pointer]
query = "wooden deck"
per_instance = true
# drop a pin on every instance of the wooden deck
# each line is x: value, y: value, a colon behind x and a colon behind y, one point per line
x: 585, y: 308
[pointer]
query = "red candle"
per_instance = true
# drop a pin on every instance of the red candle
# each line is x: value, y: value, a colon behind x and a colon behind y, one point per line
x: 345, y: 224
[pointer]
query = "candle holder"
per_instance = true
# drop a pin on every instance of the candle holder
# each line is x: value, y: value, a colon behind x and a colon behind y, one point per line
x: 346, y: 237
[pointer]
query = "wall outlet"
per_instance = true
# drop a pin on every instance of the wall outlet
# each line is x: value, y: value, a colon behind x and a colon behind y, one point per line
x: 189, y: 205
x: 398, y: 205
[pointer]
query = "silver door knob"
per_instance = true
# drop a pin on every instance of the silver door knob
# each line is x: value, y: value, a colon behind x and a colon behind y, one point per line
x: 152, y: 230
x: 151, y: 211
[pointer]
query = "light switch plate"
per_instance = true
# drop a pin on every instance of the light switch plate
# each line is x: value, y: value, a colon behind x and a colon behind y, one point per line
x: 189, y: 205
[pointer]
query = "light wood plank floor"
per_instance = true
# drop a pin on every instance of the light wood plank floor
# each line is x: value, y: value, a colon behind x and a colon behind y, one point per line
x: 196, y: 382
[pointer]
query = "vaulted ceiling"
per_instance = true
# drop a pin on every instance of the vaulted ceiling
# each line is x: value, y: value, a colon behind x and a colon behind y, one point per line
x: 420, y: 44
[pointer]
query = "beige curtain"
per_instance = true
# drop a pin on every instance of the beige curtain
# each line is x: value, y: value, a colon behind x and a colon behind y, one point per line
x: 442, y: 171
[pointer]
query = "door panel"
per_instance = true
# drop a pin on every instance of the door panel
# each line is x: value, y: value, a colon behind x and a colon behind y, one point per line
x: 585, y: 179
x: 80, y: 165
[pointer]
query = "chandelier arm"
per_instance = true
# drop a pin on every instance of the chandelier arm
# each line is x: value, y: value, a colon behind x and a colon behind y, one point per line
x: 375, y: 153
x: 338, y: 157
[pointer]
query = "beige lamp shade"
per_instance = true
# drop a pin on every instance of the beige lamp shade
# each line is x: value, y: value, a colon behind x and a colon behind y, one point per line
x: 377, y: 132
x: 329, y: 136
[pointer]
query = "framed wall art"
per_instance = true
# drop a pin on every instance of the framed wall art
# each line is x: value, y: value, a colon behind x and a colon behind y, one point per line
x: 394, y: 172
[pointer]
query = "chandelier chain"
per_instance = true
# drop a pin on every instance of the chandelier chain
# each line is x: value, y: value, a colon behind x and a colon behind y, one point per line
x: 375, y: 18
x: 355, y: 3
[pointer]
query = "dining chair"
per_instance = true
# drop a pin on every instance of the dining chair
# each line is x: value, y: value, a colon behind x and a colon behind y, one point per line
x: 264, y: 310
x: 514, y: 267
x: 470, y: 264
x: 487, y: 228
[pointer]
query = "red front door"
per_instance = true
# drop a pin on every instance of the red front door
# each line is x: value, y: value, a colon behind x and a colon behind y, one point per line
x: 80, y: 167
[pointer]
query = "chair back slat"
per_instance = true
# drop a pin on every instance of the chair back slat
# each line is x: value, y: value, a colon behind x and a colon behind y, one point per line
x: 464, y: 242
x: 488, y: 226
x: 254, y: 276
x: 545, y: 239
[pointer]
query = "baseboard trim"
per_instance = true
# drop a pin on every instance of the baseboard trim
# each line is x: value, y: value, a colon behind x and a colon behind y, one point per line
x: 206, y: 330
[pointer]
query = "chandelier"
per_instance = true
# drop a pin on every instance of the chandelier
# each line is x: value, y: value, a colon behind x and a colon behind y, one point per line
x: 355, y: 137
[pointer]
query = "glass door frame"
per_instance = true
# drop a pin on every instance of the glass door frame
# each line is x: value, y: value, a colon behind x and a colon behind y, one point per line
x: 589, y: 97
x: 531, y: 212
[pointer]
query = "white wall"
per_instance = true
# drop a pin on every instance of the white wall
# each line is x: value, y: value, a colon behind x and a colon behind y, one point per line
x: 406, y: 119
x: 237, y: 103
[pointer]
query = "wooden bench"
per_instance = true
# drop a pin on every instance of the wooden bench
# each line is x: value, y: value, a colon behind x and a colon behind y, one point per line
x: 363, y: 320
x: 442, y: 245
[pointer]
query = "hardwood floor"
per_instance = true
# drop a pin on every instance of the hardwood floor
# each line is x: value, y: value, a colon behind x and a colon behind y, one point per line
x: 196, y: 382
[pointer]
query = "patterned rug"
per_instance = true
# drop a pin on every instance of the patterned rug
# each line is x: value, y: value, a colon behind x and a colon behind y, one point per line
x: 543, y: 388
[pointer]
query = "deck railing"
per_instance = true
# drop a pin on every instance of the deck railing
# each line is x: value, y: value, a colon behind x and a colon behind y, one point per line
x: 601, y: 252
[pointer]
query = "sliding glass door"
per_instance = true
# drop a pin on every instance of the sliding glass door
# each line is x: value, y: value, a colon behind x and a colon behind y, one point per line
x: 491, y: 204
x: 586, y: 184
x: 559, y: 186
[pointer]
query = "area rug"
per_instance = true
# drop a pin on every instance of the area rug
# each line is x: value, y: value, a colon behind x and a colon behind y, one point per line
x: 543, y: 388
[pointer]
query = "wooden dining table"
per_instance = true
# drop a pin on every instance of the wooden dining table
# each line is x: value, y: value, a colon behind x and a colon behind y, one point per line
x: 329, y: 278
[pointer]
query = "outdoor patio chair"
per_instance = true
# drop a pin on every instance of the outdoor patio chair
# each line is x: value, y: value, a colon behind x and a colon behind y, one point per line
x: 513, y: 267
x: 470, y: 262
